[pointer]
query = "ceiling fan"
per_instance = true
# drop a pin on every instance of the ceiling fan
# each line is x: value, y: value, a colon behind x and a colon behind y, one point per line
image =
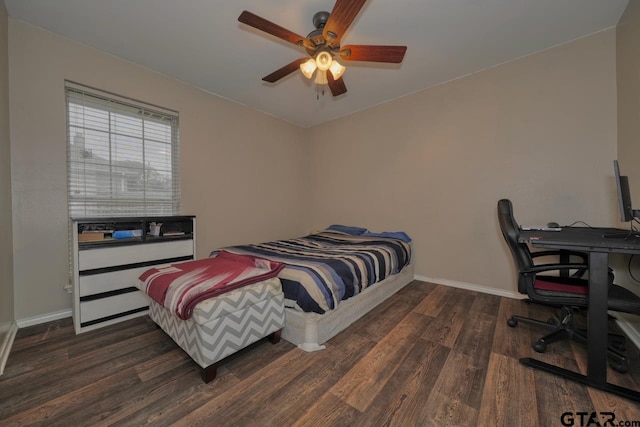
x: 323, y: 44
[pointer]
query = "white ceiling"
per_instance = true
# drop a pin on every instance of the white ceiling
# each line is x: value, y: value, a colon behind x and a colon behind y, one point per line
x: 202, y: 43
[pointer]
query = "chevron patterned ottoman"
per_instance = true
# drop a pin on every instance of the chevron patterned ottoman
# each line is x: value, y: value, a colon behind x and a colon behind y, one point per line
x: 225, y: 324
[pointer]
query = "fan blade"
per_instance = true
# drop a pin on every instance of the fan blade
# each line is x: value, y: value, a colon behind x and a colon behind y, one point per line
x: 284, y: 71
x: 342, y: 15
x: 337, y: 86
x: 393, y: 54
x: 262, y: 24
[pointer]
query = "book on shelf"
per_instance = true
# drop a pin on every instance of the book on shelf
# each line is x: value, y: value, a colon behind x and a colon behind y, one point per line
x: 173, y: 233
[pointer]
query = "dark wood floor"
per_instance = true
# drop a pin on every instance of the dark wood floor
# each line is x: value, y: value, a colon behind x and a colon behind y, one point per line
x: 429, y: 356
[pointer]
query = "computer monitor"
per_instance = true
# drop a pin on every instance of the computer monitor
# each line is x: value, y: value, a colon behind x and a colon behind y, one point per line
x: 624, y: 195
x: 627, y: 213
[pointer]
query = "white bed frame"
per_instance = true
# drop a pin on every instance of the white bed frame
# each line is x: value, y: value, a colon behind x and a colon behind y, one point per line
x: 309, y: 331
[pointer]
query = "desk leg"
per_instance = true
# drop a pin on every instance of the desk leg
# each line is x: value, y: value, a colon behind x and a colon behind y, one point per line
x: 564, y: 259
x: 597, y: 318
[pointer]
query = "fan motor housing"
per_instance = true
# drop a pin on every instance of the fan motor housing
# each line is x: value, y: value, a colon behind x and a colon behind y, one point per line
x: 319, y: 21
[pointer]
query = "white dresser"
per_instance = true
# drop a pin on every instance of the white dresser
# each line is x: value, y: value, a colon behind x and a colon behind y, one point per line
x: 109, y: 254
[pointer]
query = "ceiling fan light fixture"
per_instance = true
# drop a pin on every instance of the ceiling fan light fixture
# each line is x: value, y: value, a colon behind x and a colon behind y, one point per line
x: 308, y: 67
x: 337, y: 70
x: 321, y: 77
x: 323, y: 43
x: 323, y: 60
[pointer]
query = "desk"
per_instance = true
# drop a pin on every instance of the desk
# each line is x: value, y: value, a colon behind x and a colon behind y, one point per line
x: 591, y: 241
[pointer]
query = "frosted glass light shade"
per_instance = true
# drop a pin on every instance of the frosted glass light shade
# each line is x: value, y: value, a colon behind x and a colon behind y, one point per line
x: 323, y: 61
x: 321, y: 77
x: 308, y: 67
x: 337, y: 70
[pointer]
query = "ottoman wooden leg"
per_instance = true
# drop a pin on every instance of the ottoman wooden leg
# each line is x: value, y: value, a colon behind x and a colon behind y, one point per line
x: 209, y: 373
x: 274, y: 338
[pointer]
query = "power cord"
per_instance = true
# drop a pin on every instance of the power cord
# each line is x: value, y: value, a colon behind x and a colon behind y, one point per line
x: 578, y: 222
x: 634, y: 278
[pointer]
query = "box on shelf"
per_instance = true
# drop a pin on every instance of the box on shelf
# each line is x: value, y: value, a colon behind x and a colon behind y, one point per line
x: 90, y: 236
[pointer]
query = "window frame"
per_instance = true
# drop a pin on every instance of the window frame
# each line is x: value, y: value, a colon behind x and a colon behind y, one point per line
x: 113, y: 183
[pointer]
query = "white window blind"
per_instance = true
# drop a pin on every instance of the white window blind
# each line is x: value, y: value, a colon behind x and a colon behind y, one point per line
x: 122, y: 156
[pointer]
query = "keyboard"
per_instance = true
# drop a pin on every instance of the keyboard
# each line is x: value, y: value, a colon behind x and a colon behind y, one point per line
x: 539, y: 228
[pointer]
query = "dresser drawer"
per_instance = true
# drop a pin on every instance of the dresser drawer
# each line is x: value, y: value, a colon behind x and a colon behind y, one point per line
x: 112, y: 281
x: 122, y: 255
x: 112, y: 306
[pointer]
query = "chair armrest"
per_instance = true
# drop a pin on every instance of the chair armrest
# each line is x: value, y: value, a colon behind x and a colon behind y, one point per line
x: 551, y: 267
x: 560, y: 252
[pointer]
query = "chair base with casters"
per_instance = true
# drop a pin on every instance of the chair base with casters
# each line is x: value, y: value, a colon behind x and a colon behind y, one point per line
x: 563, y: 327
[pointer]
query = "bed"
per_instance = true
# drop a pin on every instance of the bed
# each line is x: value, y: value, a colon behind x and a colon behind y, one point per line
x: 305, y: 290
x: 332, y: 278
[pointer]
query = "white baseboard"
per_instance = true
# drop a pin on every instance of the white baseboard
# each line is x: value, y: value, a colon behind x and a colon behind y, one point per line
x: 627, y: 326
x: 7, y: 335
x: 43, y: 318
x: 470, y: 287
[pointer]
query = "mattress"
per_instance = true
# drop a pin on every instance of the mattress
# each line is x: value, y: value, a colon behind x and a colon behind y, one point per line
x: 325, y: 268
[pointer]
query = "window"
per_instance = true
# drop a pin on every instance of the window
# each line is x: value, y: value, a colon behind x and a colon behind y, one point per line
x: 122, y: 156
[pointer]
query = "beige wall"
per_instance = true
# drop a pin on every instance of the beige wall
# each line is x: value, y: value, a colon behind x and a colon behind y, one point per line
x: 540, y: 130
x: 6, y: 250
x: 628, y: 72
x: 241, y: 169
x: 628, y: 78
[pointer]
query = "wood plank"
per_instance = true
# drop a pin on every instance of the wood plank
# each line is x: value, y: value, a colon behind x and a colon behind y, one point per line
x: 433, y: 303
x: 330, y: 411
x: 171, y: 401
x: 252, y: 390
x: 508, y: 341
x: 136, y: 404
x: 555, y: 395
x: 402, y: 401
x: 508, y: 382
x: 291, y: 402
x: 254, y: 357
x: 448, y: 324
x: 378, y: 323
x: 443, y: 410
x: 360, y: 385
x: 149, y: 369
x: 416, y: 290
x: 181, y: 402
x: 36, y: 387
x: 60, y: 407
x: 98, y: 338
x: 459, y: 391
x: 476, y: 337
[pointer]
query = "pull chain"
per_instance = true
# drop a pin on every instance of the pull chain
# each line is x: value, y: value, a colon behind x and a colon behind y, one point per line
x: 318, y: 93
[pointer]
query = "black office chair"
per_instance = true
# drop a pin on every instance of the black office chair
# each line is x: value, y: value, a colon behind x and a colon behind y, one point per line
x: 568, y: 290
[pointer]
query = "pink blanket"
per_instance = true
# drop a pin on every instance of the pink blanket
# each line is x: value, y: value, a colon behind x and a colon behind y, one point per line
x: 179, y: 287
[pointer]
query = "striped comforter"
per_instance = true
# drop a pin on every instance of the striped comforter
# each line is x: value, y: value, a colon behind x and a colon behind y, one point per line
x: 325, y: 268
